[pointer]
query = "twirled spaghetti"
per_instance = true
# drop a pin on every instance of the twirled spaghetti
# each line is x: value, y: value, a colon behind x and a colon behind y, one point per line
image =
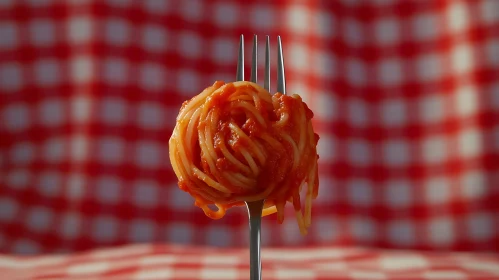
x: 235, y: 142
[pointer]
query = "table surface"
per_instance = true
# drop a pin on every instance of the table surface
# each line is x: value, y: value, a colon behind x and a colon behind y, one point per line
x: 150, y: 261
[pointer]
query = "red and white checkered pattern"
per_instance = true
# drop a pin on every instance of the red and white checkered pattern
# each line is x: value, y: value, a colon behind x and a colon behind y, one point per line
x: 405, y: 93
x: 148, y: 262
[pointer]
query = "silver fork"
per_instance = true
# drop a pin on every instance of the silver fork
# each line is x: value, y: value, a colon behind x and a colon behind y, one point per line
x: 255, y: 207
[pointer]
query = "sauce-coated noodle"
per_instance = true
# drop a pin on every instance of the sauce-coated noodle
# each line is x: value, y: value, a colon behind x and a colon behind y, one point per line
x: 235, y: 142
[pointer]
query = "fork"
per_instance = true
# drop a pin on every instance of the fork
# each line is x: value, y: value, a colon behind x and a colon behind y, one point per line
x: 255, y: 207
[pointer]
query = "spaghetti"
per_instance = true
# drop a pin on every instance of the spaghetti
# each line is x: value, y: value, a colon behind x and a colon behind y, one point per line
x: 234, y: 142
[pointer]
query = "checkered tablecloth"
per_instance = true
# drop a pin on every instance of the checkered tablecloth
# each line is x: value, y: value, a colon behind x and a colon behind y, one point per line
x: 405, y: 95
x: 147, y: 262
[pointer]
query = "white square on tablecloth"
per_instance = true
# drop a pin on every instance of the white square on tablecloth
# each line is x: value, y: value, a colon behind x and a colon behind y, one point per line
x: 113, y: 111
x: 224, y: 50
x: 470, y: 143
x: 425, y: 26
x: 386, y: 31
x: 398, y: 193
x: 226, y: 13
x: 462, y: 58
x: 492, y: 52
x: 444, y: 274
x: 401, y: 232
x: 190, y: 45
x: 81, y: 108
x: 410, y: 261
x: 39, y: 219
x: 180, y: 200
x: 489, y: 11
x: 108, y: 189
x: 70, y: 225
x: 441, y: 231
x: 115, y: 71
x: 352, y: 32
x: 111, y: 150
x: 437, y: 190
x: 474, y: 185
x: 42, y: 32
x: 155, y: 273
x: 457, y: 16
x: 88, y: 268
x: 325, y: 106
x: 156, y: 7
x: 393, y: 112
x: 325, y: 64
x: 141, y: 230
x: 81, y: 69
x: 79, y: 147
x: 480, y: 226
x: 219, y: 236
x: 192, y: 10
x: 396, y: 152
x: 298, y: 18
x: 325, y: 25
x: 25, y: 246
x: 38, y: 3
x: 326, y: 148
x: 75, y: 188
x: 493, y: 94
x: 18, y: 178
x: 22, y: 153
x: 429, y: 67
x: 8, y: 209
x: 117, y: 31
x: 49, y: 183
x: 189, y: 83
x: 261, y: 16
x: 359, y: 152
x: 104, y: 228
x: 9, y: 35
x: 52, y: 112
x: 301, y: 88
x: 327, y: 190
x: 360, y: 192
x: 180, y: 232
x: 152, y: 76
x: 146, y: 193
x: 148, y: 154
x: 6, y: 3
x: 150, y: 115
x: 154, y: 37
x: 227, y: 273
x: 325, y: 228
x: 53, y: 150
x: 80, y: 29
x: 390, y: 72
x: 467, y: 100
x: 363, y: 228
x: 357, y: 112
x: 356, y: 72
x: 11, y: 77
x: 119, y: 3
x: 434, y: 149
x: 431, y: 108
x: 300, y: 54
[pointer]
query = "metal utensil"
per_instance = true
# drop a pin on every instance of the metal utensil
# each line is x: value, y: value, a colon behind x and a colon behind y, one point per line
x: 255, y: 207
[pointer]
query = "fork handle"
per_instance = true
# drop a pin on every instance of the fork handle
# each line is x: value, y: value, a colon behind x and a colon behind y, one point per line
x: 255, y: 225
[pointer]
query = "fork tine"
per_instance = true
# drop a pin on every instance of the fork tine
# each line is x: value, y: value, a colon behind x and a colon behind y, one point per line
x: 281, y: 79
x: 254, y: 61
x: 266, y: 82
x: 240, y: 60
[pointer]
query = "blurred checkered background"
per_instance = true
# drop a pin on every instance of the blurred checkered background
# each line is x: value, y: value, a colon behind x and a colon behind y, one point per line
x: 405, y: 95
